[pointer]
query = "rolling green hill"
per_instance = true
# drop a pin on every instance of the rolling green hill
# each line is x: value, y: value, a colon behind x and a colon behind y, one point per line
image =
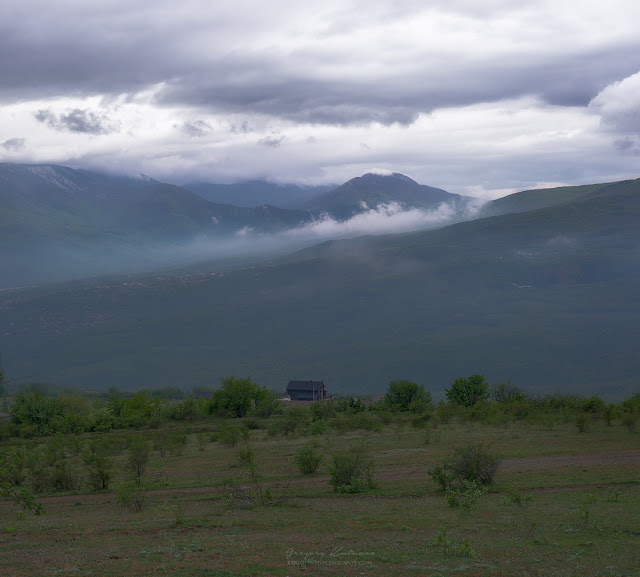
x: 548, y: 298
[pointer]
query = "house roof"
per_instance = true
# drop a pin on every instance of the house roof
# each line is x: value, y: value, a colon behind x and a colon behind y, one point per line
x: 304, y: 385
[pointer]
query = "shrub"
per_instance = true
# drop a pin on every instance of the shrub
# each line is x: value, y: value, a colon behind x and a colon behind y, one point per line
x: 475, y: 463
x: 352, y: 470
x: 140, y: 409
x: 37, y: 470
x: 466, y: 496
x: 131, y: 496
x: 421, y: 421
x: 248, y: 488
x: 308, y: 458
x: 406, y: 395
x: 593, y: 405
x: 236, y: 396
x: 98, y: 463
x: 632, y: 404
x: 137, y: 460
x: 582, y: 423
x: 506, y: 393
x: 467, y: 392
x: 442, y: 474
x: 231, y: 435
x: 318, y: 427
x: 448, y: 548
x: 177, y: 443
x: 445, y: 411
x: 516, y: 497
x: 201, y: 438
x: 65, y: 477
x: 630, y: 421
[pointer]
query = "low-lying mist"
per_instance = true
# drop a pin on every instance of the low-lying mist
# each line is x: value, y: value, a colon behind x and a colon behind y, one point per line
x: 57, y: 262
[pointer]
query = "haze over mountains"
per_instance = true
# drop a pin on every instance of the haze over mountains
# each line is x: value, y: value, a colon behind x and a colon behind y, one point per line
x: 541, y: 288
x: 59, y: 223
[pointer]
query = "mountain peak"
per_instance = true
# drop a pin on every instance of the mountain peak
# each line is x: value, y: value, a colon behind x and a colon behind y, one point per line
x: 387, y: 174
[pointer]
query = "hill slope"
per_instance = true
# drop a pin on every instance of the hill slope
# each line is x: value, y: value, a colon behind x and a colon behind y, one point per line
x: 547, y: 298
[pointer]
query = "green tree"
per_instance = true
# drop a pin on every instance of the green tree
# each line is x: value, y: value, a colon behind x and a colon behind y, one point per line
x: 467, y: 392
x: 99, y: 463
x: 236, y: 397
x: 36, y: 410
x: 9, y: 484
x: 140, y: 409
x: 406, y: 395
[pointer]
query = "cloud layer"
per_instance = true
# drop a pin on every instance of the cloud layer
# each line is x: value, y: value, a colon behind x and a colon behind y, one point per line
x: 472, y: 98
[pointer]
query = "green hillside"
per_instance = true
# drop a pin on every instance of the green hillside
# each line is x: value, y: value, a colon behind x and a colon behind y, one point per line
x: 546, y: 298
x: 541, y: 198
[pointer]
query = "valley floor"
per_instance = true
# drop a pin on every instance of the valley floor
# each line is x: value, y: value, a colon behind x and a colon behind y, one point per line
x: 579, y: 517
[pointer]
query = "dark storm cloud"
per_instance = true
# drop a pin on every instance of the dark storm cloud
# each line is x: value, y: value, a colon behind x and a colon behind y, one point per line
x: 272, y: 90
x: 13, y: 144
x: 117, y: 51
x: 77, y: 120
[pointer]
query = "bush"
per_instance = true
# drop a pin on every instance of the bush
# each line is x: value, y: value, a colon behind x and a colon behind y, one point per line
x: 443, y: 474
x: 445, y: 412
x: 98, y: 463
x: 137, y: 460
x: 632, y: 404
x: 630, y: 421
x: 516, y: 497
x: 593, y: 405
x: 352, y: 470
x: 466, y: 496
x: 236, y: 396
x: 582, y: 423
x: 248, y: 488
x: 132, y: 496
x: 473, y: 463
x: 467, y: 392
x: 421, y: 421
x: 176, y: 443
x: 308, y: 458
x: 231, y: 435
x: 65, y: 477
x: 506, y: 393
x: 407, y: 396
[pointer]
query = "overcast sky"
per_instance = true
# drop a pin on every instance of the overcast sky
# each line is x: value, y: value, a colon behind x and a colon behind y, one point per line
x: 478, y: 98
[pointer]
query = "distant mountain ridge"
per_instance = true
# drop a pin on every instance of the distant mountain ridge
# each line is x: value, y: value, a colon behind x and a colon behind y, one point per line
x: 546, y: 297
x: 58, y: 223
x: 371, y: 190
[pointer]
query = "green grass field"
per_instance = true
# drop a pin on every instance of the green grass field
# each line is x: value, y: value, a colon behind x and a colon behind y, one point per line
x: 582, y: 516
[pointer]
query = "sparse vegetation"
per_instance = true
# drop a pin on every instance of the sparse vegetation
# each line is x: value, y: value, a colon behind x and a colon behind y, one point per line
x: 308, y: 458
x: 376, y: 457
x: 352, y: 470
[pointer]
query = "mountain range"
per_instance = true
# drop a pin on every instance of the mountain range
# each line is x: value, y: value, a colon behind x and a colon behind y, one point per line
x: 542, y: 290
x: 58, y: 223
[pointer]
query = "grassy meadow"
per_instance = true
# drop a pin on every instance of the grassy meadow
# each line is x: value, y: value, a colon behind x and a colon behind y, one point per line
x: 565, y: 501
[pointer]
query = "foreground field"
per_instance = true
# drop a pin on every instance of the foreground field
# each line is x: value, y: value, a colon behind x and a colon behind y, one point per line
x: 564, y: 502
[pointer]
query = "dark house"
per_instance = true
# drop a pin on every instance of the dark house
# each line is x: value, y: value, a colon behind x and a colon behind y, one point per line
x: 306, y: 390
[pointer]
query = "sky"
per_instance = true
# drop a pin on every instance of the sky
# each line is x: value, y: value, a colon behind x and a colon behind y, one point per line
x: 478, y: 98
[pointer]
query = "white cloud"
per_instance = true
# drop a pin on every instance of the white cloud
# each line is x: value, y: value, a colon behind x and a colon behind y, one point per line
x: 383, y: 219
x: 474, y: 97
x: 619, y: 105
